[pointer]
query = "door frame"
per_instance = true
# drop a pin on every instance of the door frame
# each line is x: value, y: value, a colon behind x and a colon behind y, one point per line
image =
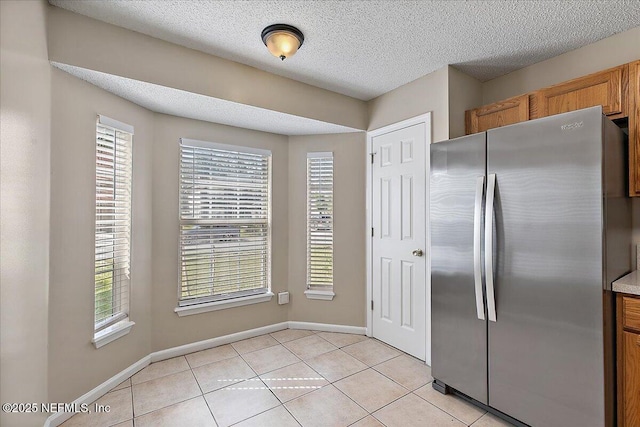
x: 421, y: 119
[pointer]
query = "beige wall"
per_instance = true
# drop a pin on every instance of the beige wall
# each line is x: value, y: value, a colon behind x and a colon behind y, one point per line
x: 615, y: 50
x: 75, y: 366
x: 349, y: 157
x: 618, y: 49
x: 169, y: 330
x: 465, y: 93
x: 428, y: 93
x: 25, y: 116
x: 73, y: 39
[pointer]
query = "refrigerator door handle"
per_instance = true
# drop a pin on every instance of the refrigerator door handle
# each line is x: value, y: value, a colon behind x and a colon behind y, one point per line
x: 477, y: 249
x: 488, y: 246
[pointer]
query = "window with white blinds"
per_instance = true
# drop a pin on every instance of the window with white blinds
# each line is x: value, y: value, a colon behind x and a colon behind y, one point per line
x: 113, y: 222
x: 320, y: 221
x: 225, y: 232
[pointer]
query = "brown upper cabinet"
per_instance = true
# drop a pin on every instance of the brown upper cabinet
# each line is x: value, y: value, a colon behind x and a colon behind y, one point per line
x: 607, y: 88
x: 507, y: 112
x: 634, y: 128
x: 616, y: 89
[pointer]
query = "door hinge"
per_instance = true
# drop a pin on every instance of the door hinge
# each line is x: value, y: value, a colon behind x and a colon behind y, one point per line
x: 372, y: 156
x: 371, y: 305
x: 371, y: 231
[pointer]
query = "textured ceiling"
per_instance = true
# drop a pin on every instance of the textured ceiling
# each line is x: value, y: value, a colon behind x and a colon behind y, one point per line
x: 366, y: 48
x: 200, y: 107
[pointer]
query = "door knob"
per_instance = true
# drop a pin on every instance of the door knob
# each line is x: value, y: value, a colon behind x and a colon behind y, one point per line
x: 418, y: 252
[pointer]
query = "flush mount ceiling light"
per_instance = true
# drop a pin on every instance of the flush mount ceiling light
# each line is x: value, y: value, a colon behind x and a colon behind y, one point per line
x: 283, y: 41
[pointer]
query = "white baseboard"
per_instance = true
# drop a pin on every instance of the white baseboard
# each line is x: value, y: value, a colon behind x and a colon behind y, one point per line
x: 58, y: 418
x: 215, y: 342
x: 326, y: 327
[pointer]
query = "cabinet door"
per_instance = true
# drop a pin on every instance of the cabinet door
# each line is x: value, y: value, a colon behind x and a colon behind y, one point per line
x: 606, y: 88
x: 634, y: 128
x: 631, y: 379
x: 507, y: 112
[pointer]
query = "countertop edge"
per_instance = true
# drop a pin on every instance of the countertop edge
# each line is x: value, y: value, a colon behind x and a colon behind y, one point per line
x: 629, y: 284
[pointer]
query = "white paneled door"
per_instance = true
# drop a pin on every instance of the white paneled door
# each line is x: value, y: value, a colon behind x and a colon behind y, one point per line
x: 399, y: 241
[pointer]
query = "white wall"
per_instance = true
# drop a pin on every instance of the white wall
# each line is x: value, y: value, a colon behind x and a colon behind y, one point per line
x: 25, y: 116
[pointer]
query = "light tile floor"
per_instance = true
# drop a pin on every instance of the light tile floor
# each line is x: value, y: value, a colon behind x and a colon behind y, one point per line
x: 288, y: 378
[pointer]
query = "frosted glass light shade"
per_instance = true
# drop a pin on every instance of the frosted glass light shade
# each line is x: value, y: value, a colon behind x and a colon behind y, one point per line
x: 283, y: 41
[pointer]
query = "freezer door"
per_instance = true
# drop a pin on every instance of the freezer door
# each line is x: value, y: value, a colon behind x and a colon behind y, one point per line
x: 546, y: 346
x: 458, y: 328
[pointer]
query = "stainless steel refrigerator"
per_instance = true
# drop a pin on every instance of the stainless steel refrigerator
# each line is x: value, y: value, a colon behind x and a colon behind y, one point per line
x: 529, y: 226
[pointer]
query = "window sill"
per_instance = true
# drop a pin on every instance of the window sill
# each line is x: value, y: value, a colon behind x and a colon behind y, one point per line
x: 221, y: 305
x: 112, y: 333
x: 321, y: 295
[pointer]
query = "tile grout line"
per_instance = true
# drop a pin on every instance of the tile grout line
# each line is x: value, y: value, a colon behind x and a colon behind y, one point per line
x: 269, y: 388
x: 260, y: 349
x: 294, y: 417
x: 253, y: 416
x: 437, y: 407
x: 208, y: 363
x: 384, y: 406
x: 175, y: 403
x: 258, y: 376
x: 349, y: 375
x: 161, y: 376
x: 290, y: 413
x: 201, y: 391
x: 252, y: 338
x: 362, y: 361
x: 447, y: 412
x: 328, y: 382
x: 169, y: 406
x: 410, y: 390
x: 133, y: 409
x: 256, y: 372
x: 304, y: 393
x: 371, y: 413
x: 313, y: 335
x: 345, y: 395
x: 372, y: 367
x: 282, y: 342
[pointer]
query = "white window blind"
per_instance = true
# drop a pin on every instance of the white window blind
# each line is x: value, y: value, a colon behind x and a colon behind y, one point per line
x: 225, y: 228
x: 320, y: 221
x: 113, y: 222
